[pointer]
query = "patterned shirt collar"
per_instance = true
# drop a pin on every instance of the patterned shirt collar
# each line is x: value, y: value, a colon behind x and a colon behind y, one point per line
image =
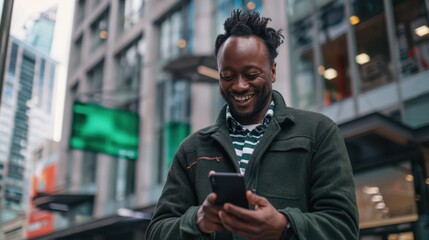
x: 235, y: 127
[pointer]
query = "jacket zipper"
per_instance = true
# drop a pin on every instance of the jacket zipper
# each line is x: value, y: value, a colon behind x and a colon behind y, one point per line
x: 217, y: 159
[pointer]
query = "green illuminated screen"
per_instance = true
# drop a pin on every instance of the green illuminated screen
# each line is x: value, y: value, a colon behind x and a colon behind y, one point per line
x: 99, y: 129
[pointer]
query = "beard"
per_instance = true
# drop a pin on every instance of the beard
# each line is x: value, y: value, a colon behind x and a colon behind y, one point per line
x: 262, y: 100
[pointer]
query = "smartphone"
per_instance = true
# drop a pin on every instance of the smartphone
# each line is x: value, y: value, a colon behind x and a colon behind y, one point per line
x: 229, y: 187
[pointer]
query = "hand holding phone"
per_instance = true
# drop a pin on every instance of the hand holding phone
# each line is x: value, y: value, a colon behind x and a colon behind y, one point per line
x: 229, y: 187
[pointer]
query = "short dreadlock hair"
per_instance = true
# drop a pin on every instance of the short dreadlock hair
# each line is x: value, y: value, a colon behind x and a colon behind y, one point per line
x: 246, y: 23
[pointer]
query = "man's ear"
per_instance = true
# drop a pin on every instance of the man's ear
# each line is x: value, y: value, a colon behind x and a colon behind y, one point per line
x: 273, y: 72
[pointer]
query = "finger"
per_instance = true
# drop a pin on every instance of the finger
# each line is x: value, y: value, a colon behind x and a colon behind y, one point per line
x: 256, y: 199
x: 211, y: 172
x: 235, y: 224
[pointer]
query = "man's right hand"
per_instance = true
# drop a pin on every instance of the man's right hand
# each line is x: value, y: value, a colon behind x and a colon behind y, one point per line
x: 207, y: 217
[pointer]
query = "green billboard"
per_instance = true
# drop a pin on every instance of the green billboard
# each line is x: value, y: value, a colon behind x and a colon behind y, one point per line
x: 105, y: 130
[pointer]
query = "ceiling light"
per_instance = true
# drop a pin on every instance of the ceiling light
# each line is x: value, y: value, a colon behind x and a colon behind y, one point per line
x: 371, y: 190
x: 330, y: 73
x: 251, y: 5
x: 209, y: 72
x: 422, y: 30
x: 181, y: 43
x: 377, y: 198
x: 354, y: 20
x: 409, y: 177
x: 380, y: 205
x: 362, y: 58
x: 103, y: 34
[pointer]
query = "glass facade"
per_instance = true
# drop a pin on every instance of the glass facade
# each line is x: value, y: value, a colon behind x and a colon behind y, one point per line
x: 341, y: 49
x: 359, y: 57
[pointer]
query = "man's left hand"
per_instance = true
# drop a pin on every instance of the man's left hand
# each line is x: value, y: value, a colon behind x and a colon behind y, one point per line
x: 265, y: 222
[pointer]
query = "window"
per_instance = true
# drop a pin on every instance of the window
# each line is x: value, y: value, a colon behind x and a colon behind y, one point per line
x: 129, y: 67
x: 100, y: 30
x: 12, y: 62
x: 173, y: 120
x: 49, y: 102
x: 41, y: 81
x: 302, y: 52
x: 388, y: 198
x: 123, y: 178
x: 78, y: 52
x: 412, y: 29
x: 95, y: 78
x: 131, y: 12
x: 373, y: 56
x: 80, y: 11
x: 334, y: 66
x: 174, y: 37
x: 89, y: 170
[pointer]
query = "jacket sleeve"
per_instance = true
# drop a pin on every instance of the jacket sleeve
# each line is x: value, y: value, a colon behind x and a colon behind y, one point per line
x: 175, y: 213
x: 331, y: 194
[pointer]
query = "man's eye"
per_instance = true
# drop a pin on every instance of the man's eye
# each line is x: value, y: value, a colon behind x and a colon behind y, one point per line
x: 227, y: 77
x: 252, y: 75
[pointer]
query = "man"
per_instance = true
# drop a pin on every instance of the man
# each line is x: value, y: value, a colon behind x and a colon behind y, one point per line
x: 294, y: 162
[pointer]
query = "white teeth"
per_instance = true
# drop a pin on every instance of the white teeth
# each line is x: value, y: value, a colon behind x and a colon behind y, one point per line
x: 243, y: 98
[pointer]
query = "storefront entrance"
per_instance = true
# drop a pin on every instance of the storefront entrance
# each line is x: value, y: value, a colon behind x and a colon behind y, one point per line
x: 390, y: 169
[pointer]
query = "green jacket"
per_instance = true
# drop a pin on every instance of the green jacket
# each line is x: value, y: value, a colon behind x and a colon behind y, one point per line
x: 300, y: 165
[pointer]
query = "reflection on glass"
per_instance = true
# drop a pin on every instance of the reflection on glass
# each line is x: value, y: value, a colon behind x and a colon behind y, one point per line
x: 302, y: 54
x: 132, y: 11
x: 412, y: 29
x: 99, y: 30
x: 373, y: 56
x: 129, y: 66
x: 385, y: 196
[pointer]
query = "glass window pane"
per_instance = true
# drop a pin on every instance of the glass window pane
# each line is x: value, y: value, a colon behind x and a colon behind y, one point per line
x: 302, y: 54
x: 335, y: 67
x: 391, y: 197
x: 131, y: 12
x: 95, y: 78
x: 99, y: 30
x: 412, y: 29
x: 373, y: 56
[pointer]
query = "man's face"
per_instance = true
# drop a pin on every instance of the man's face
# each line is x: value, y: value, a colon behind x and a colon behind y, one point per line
x: 246, y: 77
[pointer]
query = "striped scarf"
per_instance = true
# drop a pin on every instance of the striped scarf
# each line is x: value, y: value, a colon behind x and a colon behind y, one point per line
x: 245, y: 140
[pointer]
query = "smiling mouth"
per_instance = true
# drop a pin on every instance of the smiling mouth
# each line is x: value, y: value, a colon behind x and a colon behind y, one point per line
x: 243, y: 99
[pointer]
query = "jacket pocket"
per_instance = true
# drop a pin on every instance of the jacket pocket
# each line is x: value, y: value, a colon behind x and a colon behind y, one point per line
x: 284, y: 170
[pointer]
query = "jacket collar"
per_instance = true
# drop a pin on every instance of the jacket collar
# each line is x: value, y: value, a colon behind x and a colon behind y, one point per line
x: 282, y: 115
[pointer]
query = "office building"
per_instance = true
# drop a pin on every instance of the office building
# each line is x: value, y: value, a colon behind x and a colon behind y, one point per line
x: 26, y: 117
x: 363, y: 63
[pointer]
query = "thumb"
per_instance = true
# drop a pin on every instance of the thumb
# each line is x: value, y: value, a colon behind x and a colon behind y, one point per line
x: 256, y: 200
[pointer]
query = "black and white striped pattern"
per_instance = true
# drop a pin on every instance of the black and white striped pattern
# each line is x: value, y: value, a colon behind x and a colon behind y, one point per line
x: 245, y: 140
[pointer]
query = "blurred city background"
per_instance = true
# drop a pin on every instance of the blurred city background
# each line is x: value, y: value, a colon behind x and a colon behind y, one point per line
x: 97, y: 95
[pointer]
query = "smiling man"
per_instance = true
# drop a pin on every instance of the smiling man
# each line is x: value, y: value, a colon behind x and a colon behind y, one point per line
x: 295, y: 164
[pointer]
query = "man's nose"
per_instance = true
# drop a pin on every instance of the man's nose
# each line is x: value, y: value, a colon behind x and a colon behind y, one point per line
x: 241, y: 83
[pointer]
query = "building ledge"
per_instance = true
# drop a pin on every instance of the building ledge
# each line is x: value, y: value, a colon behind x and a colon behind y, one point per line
x: 60, y: 202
